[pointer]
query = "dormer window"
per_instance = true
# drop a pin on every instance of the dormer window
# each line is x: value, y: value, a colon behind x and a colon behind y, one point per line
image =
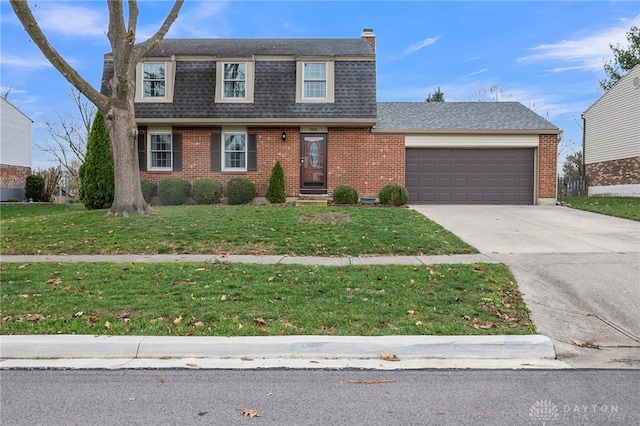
x: 315, y: 81
x: 234, y: 81
x: 154, y: 80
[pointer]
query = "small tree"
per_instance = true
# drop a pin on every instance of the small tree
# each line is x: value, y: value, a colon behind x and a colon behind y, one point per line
x: 34, y: 187
x: 96, y: 173
x: 275, y: 190
x: 573, y: 167
x: 436, y: 96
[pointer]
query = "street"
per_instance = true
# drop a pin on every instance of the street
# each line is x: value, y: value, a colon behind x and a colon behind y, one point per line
x: 319, y: 397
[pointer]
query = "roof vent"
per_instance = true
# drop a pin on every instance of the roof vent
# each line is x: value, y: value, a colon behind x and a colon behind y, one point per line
x: 636, y: 82
x: 368, y: 35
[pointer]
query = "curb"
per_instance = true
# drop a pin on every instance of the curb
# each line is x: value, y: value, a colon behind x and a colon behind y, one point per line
x: 277, y: 347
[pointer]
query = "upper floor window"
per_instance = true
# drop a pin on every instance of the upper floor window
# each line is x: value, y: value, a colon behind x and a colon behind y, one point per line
x: 154, y: 80
x: 315, y: 81
x: 234, y: 82
x: 160, y: 151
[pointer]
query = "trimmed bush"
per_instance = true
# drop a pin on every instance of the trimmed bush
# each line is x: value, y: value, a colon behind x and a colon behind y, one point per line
x: 276, y: 189
x: 240, y: 190
x: 97, y: 181
x: 394, y: 195
x: 34, y: 187
x: 149, y: 189
x: 207, y: 191
x: 173, y: 191
x: 345, y: 194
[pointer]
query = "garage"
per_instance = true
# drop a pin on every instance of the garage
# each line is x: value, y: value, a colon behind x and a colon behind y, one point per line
x: 470, y: 176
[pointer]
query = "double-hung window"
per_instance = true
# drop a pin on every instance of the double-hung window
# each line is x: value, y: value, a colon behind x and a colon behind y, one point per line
x: 235, y: 151
x: 315, y: 80
x: 160, y: 151
x: 154, y: 80
x: 234, y: 81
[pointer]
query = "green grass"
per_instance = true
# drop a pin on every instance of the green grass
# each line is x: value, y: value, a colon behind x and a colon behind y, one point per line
x: 265, y: 300
x: 222, y: 229
x: 624, y: 207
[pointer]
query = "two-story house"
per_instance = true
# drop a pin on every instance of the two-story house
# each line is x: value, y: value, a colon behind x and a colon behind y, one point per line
x: 15, y: 151
x: 220, y: 108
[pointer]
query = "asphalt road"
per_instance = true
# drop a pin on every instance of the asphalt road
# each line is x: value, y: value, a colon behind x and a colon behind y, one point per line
x: 319, y: 397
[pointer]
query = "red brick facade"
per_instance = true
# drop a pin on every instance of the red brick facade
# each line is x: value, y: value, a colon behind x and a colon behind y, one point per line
x: 547, y: 166
x: 12, y: 180
x: 355, y: 157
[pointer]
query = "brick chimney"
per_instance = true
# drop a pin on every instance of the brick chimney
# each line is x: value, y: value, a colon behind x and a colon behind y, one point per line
x: 368, y: 35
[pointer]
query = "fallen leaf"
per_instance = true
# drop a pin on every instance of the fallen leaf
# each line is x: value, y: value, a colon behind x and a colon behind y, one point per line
x: 248, y: 412
x: 5, y: 319
x: 411, y: 313
x: 24, y: 265
x: 33, y: 317
x: 177, y: 320
x: 259, y: 321
x: 107, y: 324
x: 223, y: 297
x: 489, y: 324
x: 582, y: 344
x: 191, y: 364
x: 23, y: 296
x: 78, y: 314
x: 246, y: 358
x: 370, y: 382
x: 419, y: 323
x: 386, y: 356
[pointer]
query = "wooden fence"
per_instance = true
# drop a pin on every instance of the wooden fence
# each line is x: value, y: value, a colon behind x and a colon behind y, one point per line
x: 568, y: 188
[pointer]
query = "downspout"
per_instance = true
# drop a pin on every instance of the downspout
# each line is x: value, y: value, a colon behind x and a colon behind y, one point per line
x: 584, y: 145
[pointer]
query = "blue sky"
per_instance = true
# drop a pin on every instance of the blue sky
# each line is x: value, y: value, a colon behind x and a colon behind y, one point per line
x: 547, y: 55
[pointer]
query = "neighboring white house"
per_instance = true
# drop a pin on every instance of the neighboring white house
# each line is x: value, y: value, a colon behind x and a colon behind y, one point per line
x: 612, y: 139
x: 15, y: 151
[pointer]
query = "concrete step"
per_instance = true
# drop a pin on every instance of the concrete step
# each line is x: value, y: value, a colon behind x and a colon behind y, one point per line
x: 311, y: 202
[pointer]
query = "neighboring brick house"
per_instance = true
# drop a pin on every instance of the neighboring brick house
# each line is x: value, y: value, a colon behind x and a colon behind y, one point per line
x: 612, y: 139
x: 15, y: 151
x: 220, y: 108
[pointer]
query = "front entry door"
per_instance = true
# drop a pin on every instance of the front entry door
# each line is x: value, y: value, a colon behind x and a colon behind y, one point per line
x: 313, y: 164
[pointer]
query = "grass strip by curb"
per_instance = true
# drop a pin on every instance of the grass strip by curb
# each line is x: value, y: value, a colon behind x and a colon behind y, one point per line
x: 169, y: 299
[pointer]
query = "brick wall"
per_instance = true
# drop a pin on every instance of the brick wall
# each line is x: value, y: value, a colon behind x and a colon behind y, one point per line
x: 354, y: 157
x: 625, y: 171
x: 12, y: 181
x: 547, y: 166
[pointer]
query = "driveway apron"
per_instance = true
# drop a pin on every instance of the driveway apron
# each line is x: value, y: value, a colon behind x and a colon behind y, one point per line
x: 579, y: 273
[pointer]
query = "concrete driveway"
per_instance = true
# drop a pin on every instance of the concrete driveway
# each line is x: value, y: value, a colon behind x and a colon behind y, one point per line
x: 579, y: 273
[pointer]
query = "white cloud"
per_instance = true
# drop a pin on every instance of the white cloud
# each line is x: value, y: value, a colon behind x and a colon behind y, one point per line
x: 416, y: 47
x: 483, y: 70
x: 33, y: 62
x: 585, y: 53
x: 71, y: 20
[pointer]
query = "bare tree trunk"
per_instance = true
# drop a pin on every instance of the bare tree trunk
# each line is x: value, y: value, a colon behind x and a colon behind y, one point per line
x: 123, y: 132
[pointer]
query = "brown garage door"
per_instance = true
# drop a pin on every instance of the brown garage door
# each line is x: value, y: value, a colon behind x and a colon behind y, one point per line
x: 469, y: 176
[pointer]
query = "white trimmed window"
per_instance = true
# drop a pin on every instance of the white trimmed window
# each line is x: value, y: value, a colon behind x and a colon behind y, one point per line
x: 234, y: 82
x: 235, y: 151
x: 154, y: 81
x: 160, y: 151
x: 315, y: 81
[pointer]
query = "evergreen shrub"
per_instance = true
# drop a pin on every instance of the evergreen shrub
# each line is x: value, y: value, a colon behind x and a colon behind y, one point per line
x: 97, y: 181
x: 34, y: 187
x: 240, y: 190
x: 394, y: 194
x: 207, y: 191
x: 149, y: 189
x: 173, y: 191
x: 345, y: 194
x: 276, y: 189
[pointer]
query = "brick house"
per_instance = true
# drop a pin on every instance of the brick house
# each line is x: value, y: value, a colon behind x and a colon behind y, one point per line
x: 15, y: 151
x: 220, y: 108
x: 612, y: 139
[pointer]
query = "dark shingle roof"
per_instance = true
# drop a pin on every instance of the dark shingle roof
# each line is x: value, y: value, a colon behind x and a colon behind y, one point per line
x: 459, y: 116
x: 277, y: 46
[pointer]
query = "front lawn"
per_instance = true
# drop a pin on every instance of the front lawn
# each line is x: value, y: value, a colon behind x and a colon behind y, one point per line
x: 624, y: 207
x: 223, y: 229
x: 264, y: 300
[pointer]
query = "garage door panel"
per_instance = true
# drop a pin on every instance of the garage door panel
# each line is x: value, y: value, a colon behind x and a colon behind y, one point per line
x: 470, y: 176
